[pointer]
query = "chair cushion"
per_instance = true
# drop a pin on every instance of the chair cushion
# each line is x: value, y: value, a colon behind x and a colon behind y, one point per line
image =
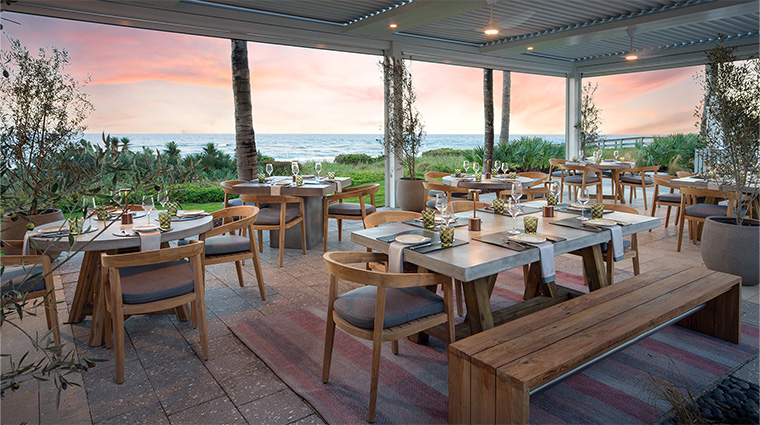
x: 557, y: 173
x: 237, y: 202
x: 607, y: 173
x: 635, y: 180
x: 401, y: 305
x: 271, y: 215
x: 143, y: 284
x: 430, y: 203
x: 347, y: 208
x: 578, y: 178
x: 15, y: 274
x: 460, y: 194
x: 626, y: 244
x: 435, y: 192
x: 669, y: 197
x: 705, y: 210
x: 227, y: 244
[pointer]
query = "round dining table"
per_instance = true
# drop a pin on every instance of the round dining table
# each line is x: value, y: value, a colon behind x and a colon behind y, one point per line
x: 494, y: 184
x: 89, y: 297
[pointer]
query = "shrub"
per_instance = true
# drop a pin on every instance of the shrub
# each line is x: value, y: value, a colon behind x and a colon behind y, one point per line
x: 354, y: 158
x: 444, y: 152
x: 673, y: 152
x: 523, y: 154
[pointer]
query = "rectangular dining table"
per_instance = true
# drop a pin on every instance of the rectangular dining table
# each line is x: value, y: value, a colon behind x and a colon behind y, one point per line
x: 477, y: 264
x: 312, y: 193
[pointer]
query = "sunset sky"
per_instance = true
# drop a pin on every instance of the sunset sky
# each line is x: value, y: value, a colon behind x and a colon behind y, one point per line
x: 155, y: 82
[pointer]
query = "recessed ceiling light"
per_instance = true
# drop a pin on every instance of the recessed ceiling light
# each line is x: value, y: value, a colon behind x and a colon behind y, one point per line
x: 530, y: 47
x: 393, y: 25
x: 631, y: 57
x: 491, y: 31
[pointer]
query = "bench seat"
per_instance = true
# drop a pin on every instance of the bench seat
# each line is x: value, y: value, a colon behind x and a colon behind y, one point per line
x: 491, y: 374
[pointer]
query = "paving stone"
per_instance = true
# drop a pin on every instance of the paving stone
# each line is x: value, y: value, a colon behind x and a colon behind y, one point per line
x: 750, y: 372
x: 183, y: 384
x: 74, y: 407
x: 22, y: 405
x: 219, y: 411
x: 148, y: 415
x: 108, y: 399
x: 310, y: 420
x: 279, y: 408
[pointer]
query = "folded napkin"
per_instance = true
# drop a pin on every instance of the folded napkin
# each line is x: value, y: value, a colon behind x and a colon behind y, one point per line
x: 546, y: 256
x: 150, y: 241
x: 26, y: 249
x: 617, y: 242
x: 396, y: 257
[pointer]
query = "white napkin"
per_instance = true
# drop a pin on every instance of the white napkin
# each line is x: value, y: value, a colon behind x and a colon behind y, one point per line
x: 617, y: 242
x: 150, y: 241
x: 713, y: 186
x: 276, y: 187
x: 396, y: 258
x: 27, y: 247
x: 546, y: 256
x: 455, y: 182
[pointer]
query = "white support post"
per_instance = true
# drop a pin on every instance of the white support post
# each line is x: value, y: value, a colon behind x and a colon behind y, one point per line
x: 393, y: 168
x: 573, y: 96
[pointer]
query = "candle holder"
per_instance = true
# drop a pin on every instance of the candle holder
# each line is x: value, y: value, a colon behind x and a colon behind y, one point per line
x: 478, y: 176
x: 512, y: 175
x: 531, y: 224
x: 597, y: 211
x: 447, y: 236
x: 331, y: 175
x: 164, y: 220
x: 428, y: 219
x: 498, y: 206
x: 299, y: 180
x: 172, y: 208
x: 75, y: 225
x: 262, y: 177
x: 457, y: 173
x: 474, y: 221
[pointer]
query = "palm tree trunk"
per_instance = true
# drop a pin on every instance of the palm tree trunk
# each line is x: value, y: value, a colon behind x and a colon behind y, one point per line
x: 245, y: 138
x: 488, y: 108
x: 506, y: 95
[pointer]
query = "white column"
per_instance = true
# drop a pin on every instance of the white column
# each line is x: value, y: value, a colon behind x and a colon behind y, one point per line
x: 573, y: 96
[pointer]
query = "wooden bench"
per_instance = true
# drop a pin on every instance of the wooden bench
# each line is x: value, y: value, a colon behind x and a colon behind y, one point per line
x: 493, y: 373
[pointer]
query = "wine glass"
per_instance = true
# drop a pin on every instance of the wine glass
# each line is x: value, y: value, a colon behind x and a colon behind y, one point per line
x: 475, y: 167
x: 440, y: 203
x: 318, y: 168
x: 516, y: 192
x: 466, y: 165
x: 148, y: 205
x: 616, y: 155
x: 513, y: 208
x: 583, y: 198
x: 581, y: 157
x: 270, y: 169
x: 294, y: 168
x: 497, y: 166
x: 163, y: 198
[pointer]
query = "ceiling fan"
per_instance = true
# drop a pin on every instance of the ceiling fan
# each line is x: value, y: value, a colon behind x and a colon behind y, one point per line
x: 511, y: 22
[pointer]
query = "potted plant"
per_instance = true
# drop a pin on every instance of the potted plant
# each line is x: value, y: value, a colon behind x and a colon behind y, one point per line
x: 42, y: 112
x: 406, y: 132
x: 729, y: 117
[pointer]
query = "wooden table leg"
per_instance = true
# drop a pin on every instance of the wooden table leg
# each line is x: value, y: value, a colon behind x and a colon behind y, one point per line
x: 616, y: 187
x: 477, y: 296
x: 593, y: 265
x: 535, y: 285
x: 97, y: 326
x: 87, y: 274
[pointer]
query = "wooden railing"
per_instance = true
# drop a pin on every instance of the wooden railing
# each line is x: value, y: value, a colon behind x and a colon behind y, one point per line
x: 623, y: 142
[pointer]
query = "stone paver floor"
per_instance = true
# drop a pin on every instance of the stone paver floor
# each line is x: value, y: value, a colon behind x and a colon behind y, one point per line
x: 167, y: 383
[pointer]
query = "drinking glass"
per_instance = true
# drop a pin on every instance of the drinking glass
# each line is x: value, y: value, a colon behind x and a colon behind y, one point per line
x: 597, y: 211
x: 615, y: 155
x: 148, y: 205
x: 163, y: 198
x: 497, y: 166
x: 513, y: 209
x: 294, y: 168
x: 498, y: 206
x: 318, y: 168
x: 581, y: 157
x: 516, y: 191
x: 428, y: 219
x: 447, y: 236
x: 475, y: 167
x: 270, y: 169
x: 583, y: 199
x: 531, y: 224
x: 466, y: 165
x: 164, y: 220
x: 440, y: 203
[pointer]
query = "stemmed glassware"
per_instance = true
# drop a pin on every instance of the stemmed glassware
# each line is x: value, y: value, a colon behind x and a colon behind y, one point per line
x: 270, y: 169
x: 440, y: 205
x: 582, y: 157
x: 517, y: 192
x: 513, y: 208
x: 475, y: 167
x: 616, y: 155
x: 465, y: 165
x: 583, y: 198
x: 497, y: 166
x: 318, y: 168
x: 148, y: 206
x: 294, y: 168
x: 163, y: 198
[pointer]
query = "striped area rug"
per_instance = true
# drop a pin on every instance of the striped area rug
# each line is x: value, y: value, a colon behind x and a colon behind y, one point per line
x: 414, y: 384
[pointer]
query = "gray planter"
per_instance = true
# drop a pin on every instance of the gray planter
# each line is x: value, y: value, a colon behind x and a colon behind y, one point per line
x: 732, y: 249
x: 410, y: 194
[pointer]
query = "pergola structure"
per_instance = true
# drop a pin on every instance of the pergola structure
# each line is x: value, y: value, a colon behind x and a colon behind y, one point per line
x: 563, y: 38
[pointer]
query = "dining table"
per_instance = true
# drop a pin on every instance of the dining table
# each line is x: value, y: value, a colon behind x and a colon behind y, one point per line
x: 476, y: 264
x: 312, y: 191
x: 700, y: 183
x: 615, y: 168
x: 493, y: 184
x: 107, y: 237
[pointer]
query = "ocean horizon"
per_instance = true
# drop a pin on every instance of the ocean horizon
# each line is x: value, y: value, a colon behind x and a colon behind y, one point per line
x: 306, y: 147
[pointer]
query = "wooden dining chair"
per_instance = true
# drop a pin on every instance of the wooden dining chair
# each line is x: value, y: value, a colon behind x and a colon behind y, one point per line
x: 555, y: 169
x: 334, y: 207
x: 695, y: 212
x: 637, y: 178
x: 682, y: 174
x: 537, y: 188
x: 282, y: 213
x: 235, y: 202
x: 579, y: 176
x: 381, y: 217
x: 390, y: 307
x: 435, y: 178
x: 452, y: 193
x: 153, y: 281
x: 630, y: 246
x: 668, y: 199
x: 29, y: 277
x: 461, y: 206
x: 234, y: 241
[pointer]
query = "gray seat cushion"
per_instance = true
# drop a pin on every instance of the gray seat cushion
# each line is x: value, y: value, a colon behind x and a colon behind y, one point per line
x: 224, y: 244
x: 347, y: 208
x: 401, y: 305
x: 430, y: 203
x: 669, y: 197
x: 271, y: 215
x: 435, y: 192
x: 626, y: 244
x: 16, y: 274
x: 557, y: 173
x: 579, y: 179
x: 607, y: 173
x: 143, y: 284
x: 237, y: 202
x: 635, y: 180
x: 460, y: 194
x: 705, y: 210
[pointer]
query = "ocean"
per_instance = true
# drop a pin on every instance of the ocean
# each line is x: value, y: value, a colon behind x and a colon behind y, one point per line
x: 304, y: 147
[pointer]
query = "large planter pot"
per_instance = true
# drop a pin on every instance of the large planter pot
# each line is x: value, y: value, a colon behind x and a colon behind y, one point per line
x: 732, y: 249
x: 14, y: 230
x: 410, y: 194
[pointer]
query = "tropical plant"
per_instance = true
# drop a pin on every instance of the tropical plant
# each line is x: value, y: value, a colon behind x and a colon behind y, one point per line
x: 674, y: 152
x: 405, y: 125
x: 523, y: 154
x: 506, y: 96
x: 43, y: 110
x: 728, y: 115
x: 245, y: 138
x: 488, y: 155
x: 590, y: 121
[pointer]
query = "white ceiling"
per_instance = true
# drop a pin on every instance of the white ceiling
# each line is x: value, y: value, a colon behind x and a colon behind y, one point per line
x: 584, y: 36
